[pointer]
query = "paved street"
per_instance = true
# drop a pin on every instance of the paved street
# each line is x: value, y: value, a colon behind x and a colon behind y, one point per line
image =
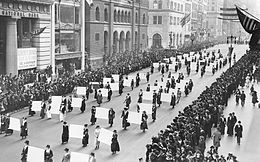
x: 133, y: 140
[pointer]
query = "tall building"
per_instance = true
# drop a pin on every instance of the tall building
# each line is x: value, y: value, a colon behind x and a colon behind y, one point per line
x: 21, y: 45
x: 114, y: 26
x: 214, y: 18
x: 164, y: 29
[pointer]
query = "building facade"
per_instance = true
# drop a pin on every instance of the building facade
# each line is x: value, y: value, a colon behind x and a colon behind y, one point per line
x: 21, y: 45
x: 164, y: 28
x: 115, y: 26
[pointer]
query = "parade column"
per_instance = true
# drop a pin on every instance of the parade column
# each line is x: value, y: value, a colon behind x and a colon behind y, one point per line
x: 11, y: 46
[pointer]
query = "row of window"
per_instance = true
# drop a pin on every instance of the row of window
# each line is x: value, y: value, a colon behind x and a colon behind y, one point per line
x: 119, y: 16
x: 158, y: 4
x: 175, y: 20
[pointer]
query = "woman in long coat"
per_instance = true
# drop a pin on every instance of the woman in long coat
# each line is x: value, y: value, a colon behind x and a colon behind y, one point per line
x: 85, y: 136
x: 154, y: 113
x: 62, y: 112
x: 111, y: 116
x: 140, y: 99
x: 96, y: 134
x: 114, y: 145
x: 159, y: 102
x: 48, y: 154
x: 65, y: 133
x: 254, y: 97
x: 99, y: 97
x: 43, y: 107
x: 124, y: 116
x: 48, y: 110
x: 144, y: 125
x: 93, y: 118
x: 24, y: 129
x: 173, y: 100
x: 83, y: 105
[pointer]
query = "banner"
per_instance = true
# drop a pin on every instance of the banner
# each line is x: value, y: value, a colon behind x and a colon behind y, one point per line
x: 26, y: 58
x: 79, y: 157
x: 156, y: 65
x: 146, y: 107
x: 114, y: 86
x: 101, y: 113
x: 55, y: 104
x: 134, y: 117
x: 193, y: 66
x: 81, y: 91
x: 76, y: 102
x: 127, y: 83
x: 142, y: 76
x: 105, y: 136
x: 148, y: 96
x: 35, y: 154
x: 166, y: 97
x: 15, y: 124
x: 36, y: 105
x: 76, y: 131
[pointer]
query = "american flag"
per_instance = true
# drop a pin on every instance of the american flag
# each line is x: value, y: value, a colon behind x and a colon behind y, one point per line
x: 185, y: 20
x: 249, y: 22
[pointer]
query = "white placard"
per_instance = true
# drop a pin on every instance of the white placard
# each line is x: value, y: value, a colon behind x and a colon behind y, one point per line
x: 185, y: 55
x: 15, y: 124
x: 115, y: 77
x: 148, y: 96
x: 146, y: 107
x: 173, y: 59
x: 105, y: 136
x: 142, y: 76
x: 101, y: 113
x: 127, y: 83
x: 79, y: 157
x: 114, y: 86
x: 105, y: 80
x: 189, y: 58
x: 156, y: 65
x: 81, y: 90
x: 172, y: 66
x: 104, y: 92
x: 55, y: 104
x: 35, y: 154
x: 76, y: 102
x: 166, y: 97
x: 26, y: 58
x: 209, y: 69
x: 152, y: 88
x: 166, y: 60
x: 134, y: 117
x: 76, y: 131
x: 193, y: 66
x: 36, y: 105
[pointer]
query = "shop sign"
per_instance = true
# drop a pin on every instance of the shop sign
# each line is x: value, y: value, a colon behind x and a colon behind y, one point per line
x: 26, y: 58
x: 18, y: 14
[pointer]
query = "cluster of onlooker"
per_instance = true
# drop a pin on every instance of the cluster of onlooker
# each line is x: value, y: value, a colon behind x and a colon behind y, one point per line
x: 185, y: 136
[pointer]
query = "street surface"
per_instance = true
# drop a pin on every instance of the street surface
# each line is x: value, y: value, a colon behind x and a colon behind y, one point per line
x: 133, y: 140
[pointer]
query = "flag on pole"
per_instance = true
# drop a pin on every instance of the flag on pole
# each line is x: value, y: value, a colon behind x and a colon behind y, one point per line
x: 90, y: 2
x: 248, y: 21
x: 39, y: 31
x: 185, y: 20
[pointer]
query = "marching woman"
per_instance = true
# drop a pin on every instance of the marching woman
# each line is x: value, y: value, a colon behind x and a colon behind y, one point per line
x: 99, y: 97
x: 65, y: 133
x: 43, y: 107
x: 159, y: 102
x: 24, y: 129
x: 48, y: 110
x: 111, y: 116
x: 132, y: 84
x: 127, y: 100
x: 70, y: 108
x: 7, y: 123
x: 62, y: 112
x: 186, y: 89
x: 121, y: 86
x: 93, y: 118
x: 110, y: 92
x: 114, y: 145
x: 143, y: 125
x: 254, y: 98
x: 48, y: 154
x: 96, y: 134
x: 24, y: 153
x: 83, y: 104
x: 124, y: 115
x: 173, y: 100
x: 154, y: 113
x: 140, y: 99
x: 147, y: 77
x: 137, y: 80
x: 85, y: 136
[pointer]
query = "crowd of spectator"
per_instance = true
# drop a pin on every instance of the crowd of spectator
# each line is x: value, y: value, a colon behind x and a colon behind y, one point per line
x: 184, y: 138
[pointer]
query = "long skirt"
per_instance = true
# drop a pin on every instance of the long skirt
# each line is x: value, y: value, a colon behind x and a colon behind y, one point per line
x: 85, y: 140
x: 115, y: 146
x: 48, y: 113
x: 143, y: 125
x: 24, y: 132
x: 62, y: 117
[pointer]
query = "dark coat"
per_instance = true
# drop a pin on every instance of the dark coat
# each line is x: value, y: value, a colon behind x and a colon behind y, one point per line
x: 115, y: 144
x: 238, y: 130
x: 65, y: 134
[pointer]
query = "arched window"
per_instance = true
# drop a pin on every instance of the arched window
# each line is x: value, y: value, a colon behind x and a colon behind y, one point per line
x: 97, y: 14
x: 160, y: 4
x: 115, y: 16
x: 144, y: 19
x: 106, y: 15
x: 136, y: 18
x: 122, y: 16
x: 155, y: 4
x: 118, y: 16
x: 129, y: 17
x: 157, y: 40
x: 125, y: 17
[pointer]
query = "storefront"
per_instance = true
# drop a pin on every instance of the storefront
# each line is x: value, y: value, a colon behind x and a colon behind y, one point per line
x: 24, y: 35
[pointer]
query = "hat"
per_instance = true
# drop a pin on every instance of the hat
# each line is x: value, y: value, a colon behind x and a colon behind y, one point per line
x: 26, y: 142
x: 239, y: 121
x: 115, y: 131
